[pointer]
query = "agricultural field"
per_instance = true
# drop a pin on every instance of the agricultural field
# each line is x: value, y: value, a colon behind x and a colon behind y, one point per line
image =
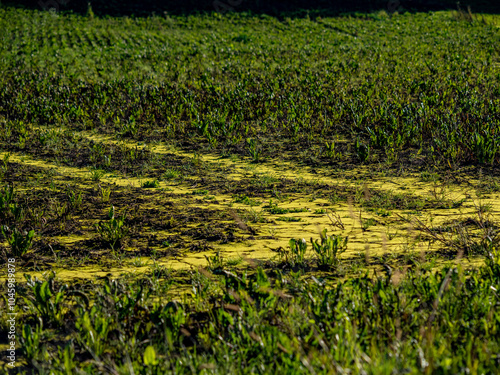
x: 241, y: 193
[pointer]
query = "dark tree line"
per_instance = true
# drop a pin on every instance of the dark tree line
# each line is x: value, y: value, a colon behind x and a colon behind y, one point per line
x: 270, y: 7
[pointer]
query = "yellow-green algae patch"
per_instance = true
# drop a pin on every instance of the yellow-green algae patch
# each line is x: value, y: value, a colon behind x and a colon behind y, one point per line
x: 380, y: 236
x: 283, y: 169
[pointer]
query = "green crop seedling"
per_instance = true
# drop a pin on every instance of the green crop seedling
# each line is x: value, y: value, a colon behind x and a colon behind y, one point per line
x: 113, y: 231
x: 150, y: 184
x: 19, y: 241
x: 296, y: 254
x: 6, y: 197
x: 329, y: 249
x: 362, y: 150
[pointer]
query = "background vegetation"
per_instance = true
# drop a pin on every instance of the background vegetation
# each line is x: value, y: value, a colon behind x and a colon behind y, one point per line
x: 389, y: 87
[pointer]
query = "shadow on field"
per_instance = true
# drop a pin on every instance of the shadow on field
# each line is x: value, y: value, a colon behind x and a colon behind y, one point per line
x: 281, y: 8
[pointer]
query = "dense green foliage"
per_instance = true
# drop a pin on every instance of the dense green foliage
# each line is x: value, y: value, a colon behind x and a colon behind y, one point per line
x: 393, y: 87
x: 446, y: 321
